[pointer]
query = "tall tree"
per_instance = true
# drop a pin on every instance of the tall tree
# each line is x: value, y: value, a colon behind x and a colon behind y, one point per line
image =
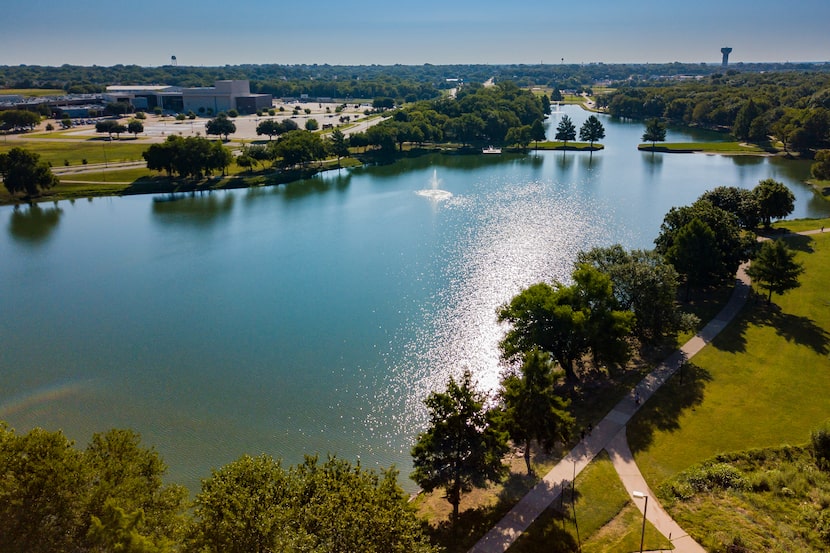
x: 299, y: 147
x: 537, y: 131
x: 655, y: 132
x: 565, y: 131
x: 728, y: 250
x: 592, y: 130
x: 775, y: 200
x: 23, y: 171
x: 338, y: 145
x: 821, y: 168
x: 568, y: 321
x: 531, y: 408
x: 774, y: 268
x: 460, y: 449
x: 110, y: 126
x: 644, y: 283
x: 739, y: 201
x: 270, y: 127
x: 695, y: 254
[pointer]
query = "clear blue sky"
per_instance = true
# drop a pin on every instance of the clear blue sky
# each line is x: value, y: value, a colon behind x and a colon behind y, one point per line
x: 219, y: 32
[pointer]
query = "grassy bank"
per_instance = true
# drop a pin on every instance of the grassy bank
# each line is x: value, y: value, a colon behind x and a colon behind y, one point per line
x: 766, y: 377
x: 570, y: 146
x: 702, y: 147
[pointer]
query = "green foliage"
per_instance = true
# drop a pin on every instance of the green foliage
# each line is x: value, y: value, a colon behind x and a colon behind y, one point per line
x: 338, y: 145
x: 19, y: 119
x: 188, y: 157
x: 738, y: 201
x: 775, y: 200
x: 55, y: 498
x: 708, y: 252
x: 233, y: 113
x: 655, y: 132
x: 774, y: 268
x: 537, y: 130
x: 311, y: 125
x: 569, y: 321
x: 134, y: 126
x: 298, y: 147
x: 23, y: 171
x: 253, y: 504
x: 110, y: 126
x: 460, y: 449
x: 642, y: 282
x: 821, y: 168
x: 531, y: 410
x: 592, y: 130
x: 820, y: 442
x: 565, y: 130
x: 220, y: 126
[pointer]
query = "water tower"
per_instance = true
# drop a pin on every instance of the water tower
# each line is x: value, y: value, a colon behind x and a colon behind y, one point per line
x: 725, y: 52
x: 173, y: 60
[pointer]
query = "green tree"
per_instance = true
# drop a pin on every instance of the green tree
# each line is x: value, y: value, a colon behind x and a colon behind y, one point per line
x: 23, y: 171
x: 744, y: 119
x: 19, y: 119
x: 519, y: 135
x: 110, y: 126
x: 655, y: 132
x: 41, y: 492
x: 460, y: 450
x: 119, y: 531
x: 729, y: 247
x: 775, y: 200
x: 299, y: 147
x: 568, y: 321
x: 592, y: 130
x: 739, y: 201
x: 531, y: 410
x: 537, y: 131
x: 821, y: 168
x: 220, y: 126
x: 565, y: 131
x: 338, y: 145
x: 134, y: 126
x: 695, y: 254
x: 270, y: 127
x: 774, y: 268
x: 646, y: 284
x: 253, y: 505
x: 311, y: 125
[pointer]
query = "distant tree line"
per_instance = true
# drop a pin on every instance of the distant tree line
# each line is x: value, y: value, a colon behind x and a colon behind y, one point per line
x: 794, y: 107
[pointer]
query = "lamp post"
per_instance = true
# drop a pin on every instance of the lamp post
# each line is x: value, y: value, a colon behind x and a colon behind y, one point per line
x: 641, y: 495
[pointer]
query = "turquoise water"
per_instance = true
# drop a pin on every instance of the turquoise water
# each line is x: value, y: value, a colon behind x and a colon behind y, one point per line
x: 312, y: 317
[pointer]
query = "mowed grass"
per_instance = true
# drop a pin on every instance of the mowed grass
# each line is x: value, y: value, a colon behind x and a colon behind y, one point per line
x: 35, y: 92
x: 715, y: 147
x: 606, y: 519
x: 763, y: 382
x: 94, y: 150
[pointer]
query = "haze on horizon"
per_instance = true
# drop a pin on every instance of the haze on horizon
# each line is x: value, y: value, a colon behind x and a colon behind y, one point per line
x: 93, y: 32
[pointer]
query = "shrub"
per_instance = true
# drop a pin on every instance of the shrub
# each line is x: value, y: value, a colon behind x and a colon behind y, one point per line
x: 820, y: 443
x: 233, y: 113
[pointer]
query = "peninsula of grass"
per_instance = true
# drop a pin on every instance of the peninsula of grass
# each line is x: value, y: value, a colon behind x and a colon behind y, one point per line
x: 763, y: 382
x: 570, y: 146
x: 822, y: 187
x: 702, y: 147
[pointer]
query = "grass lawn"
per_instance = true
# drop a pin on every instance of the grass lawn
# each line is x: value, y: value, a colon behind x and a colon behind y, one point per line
x: 36, y: 92
x: 93, y: 150
x: 606, y: 518
x: 558, y: 145
x: 763, y: 382
x: 705, y: 147
x: 822, y: 187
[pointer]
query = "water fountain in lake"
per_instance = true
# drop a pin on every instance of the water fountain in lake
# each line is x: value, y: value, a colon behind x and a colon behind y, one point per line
x: 433, y: 192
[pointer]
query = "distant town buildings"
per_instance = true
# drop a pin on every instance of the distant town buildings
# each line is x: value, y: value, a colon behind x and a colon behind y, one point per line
x: 209, y: 100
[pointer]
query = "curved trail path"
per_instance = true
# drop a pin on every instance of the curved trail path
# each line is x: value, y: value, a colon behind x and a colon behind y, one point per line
x: 609, y: 434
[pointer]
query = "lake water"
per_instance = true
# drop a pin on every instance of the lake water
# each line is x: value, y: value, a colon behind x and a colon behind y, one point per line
x: 313, y: 317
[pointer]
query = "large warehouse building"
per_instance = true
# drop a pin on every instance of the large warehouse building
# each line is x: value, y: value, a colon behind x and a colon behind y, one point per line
x: 210, y: 100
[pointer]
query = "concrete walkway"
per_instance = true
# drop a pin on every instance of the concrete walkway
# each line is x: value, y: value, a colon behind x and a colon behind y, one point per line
x: 605, y: 436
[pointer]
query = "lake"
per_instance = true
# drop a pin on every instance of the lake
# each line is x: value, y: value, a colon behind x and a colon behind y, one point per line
x: 314, y: 317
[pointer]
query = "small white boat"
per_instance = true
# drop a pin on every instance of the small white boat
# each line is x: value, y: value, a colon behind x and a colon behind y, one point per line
x: 491, y: 150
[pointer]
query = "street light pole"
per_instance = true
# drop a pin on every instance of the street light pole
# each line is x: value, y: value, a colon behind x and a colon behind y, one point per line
x: 641, y: 495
